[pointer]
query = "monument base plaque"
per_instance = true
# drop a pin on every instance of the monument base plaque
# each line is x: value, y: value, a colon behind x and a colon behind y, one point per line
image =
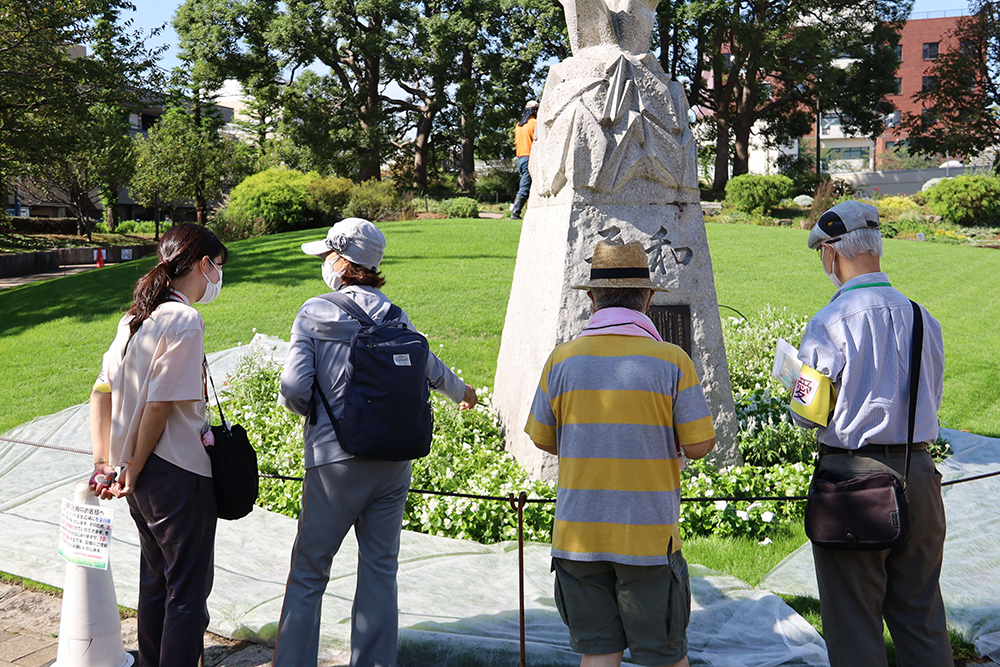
x: 673, y: 323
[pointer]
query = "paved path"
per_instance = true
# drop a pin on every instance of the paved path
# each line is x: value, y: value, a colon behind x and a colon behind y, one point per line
x: 16, y: 281
x: 21, y: 609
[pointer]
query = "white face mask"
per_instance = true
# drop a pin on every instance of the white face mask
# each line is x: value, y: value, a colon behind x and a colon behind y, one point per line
x: 332, y: 277
x: 212, y: 290
x: 832, y: 275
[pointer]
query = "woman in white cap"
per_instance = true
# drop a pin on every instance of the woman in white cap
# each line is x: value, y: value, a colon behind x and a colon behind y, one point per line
x: 341, y: 490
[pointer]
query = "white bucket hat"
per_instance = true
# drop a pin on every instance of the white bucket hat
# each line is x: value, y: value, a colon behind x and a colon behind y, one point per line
x: 355, y: 239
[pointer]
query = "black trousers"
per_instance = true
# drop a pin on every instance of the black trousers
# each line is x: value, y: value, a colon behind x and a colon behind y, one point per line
x: 175, y: 512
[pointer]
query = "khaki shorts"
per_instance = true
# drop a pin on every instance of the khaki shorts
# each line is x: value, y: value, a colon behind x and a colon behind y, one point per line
x: 610, y: 607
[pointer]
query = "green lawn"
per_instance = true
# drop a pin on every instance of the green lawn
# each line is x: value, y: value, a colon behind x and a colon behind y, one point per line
x: 453, y: 277
x: 759, y: 265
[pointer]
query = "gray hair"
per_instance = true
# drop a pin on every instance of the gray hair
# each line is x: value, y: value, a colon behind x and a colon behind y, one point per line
x: 866, y: 239
x: 634, y: 298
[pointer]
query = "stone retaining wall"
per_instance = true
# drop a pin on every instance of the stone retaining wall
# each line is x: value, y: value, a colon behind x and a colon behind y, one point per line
x: 26, y: 263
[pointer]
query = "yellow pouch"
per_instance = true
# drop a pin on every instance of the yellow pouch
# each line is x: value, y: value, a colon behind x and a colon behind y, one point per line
x: 813, y: 396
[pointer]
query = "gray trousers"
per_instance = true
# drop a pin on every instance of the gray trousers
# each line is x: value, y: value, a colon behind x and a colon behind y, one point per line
x: 857, y: 589
x: 369, y: 495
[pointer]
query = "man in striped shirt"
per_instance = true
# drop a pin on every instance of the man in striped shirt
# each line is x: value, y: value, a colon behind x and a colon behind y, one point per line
x: 616, y: 405
x: 861, y: 343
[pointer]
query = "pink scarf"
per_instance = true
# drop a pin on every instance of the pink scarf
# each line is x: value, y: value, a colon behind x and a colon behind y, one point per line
x: 620, y: 322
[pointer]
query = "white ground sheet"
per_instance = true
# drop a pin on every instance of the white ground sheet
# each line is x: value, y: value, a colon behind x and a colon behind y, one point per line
x: 970, y: 575
x: 457, y: 599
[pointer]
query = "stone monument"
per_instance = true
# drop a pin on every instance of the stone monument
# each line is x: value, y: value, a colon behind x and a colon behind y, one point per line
x: 614, y: 159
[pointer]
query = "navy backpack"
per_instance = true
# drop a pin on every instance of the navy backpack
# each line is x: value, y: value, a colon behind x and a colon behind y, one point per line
x: 387, y: 411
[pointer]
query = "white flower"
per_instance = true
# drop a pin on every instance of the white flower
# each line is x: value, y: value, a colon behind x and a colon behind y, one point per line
x: 721, y: 505
x: 743, y: 515
x: 764, y: 542
x: 767, y: 516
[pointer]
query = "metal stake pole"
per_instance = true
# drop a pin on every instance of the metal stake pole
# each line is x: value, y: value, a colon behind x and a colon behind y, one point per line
x: 518, y: 505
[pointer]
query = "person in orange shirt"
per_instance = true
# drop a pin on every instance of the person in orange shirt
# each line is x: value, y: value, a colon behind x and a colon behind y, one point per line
x: 524, y: 135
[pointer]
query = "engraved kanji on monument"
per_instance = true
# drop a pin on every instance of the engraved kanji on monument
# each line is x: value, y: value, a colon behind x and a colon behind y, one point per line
x: 613, y: 159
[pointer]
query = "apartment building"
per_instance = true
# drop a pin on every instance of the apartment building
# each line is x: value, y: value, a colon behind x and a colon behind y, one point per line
x: 922, y: 40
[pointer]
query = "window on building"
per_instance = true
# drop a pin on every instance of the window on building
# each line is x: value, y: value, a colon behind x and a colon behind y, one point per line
x: 899, y: 86
x: 829, y: 121
x: 848, y: 153
x: 928, y: 82
x: 890, y: 146
x: 931, y: 50
x: 899, y: 52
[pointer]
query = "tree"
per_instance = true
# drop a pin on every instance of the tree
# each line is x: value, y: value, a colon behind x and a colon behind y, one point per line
x: 776, y: 62
x: 178, y: 161
x: 63, y: 114
x: 353, y: 40
x: 503, y: 64
x: 74, y: 176
x: 39, y: 78
x: 230, y: 39
x: 961, y: 111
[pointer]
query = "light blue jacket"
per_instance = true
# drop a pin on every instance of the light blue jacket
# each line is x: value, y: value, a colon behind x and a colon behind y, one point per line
x: 320, y: 346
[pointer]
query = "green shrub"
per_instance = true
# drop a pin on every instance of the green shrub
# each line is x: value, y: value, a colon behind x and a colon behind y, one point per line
x: 328, y: 197
x: 750, y: 192
x: 139, y: 226
x: 966, y: 200
x: 894, y: 206
x: 750, y: 345
x: 731, y: 216
x: 757, y: 520
x: 460, y: 207
x: 911, y: 223
x: 467, y: 456
x: 503, y: 180
x: 373, y: 199
x: 802, y: 170
x: 766, y: 433
x: 274, y: 200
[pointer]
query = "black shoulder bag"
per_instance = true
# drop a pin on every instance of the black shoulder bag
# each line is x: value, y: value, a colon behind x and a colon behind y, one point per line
x: 234, y: 466
x: 869, y: 512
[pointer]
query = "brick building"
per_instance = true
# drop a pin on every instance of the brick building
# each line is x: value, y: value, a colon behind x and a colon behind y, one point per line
x: 920, y: 43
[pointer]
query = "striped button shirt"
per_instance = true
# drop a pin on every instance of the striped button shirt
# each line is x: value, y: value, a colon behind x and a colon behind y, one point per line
x: 612, y: 405
x: 861, y: 340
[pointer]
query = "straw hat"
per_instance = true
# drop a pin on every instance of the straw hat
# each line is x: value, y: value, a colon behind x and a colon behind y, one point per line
x: 617, y: 265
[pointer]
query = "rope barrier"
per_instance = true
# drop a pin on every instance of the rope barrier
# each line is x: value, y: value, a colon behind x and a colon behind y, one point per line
x: 474, y: 496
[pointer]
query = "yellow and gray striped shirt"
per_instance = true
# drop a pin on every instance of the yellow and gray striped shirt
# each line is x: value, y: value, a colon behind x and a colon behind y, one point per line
x: 616, y: 406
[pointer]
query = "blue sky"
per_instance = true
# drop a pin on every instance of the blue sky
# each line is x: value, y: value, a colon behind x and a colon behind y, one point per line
x: 151, y: 13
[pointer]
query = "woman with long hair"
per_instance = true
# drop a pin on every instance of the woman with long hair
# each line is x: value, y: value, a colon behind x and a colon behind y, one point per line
x: 149, y: 429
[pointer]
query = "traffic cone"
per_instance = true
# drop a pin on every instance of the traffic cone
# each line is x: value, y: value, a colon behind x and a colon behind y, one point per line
x: 100, y: 258
x: 90, y: 629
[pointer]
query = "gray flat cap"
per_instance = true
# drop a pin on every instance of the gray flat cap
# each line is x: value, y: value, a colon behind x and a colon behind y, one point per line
x: 843, y: 218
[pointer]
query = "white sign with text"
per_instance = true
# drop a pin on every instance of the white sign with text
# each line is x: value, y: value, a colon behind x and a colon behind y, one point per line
x: 85, y: 534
